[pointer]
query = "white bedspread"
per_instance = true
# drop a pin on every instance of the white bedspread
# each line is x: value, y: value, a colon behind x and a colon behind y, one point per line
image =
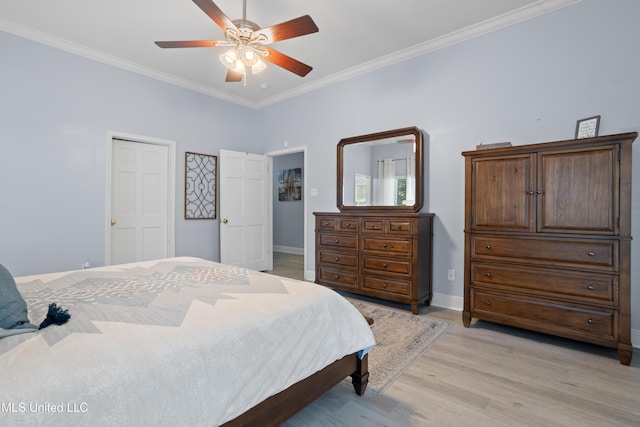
x: 181, y: 342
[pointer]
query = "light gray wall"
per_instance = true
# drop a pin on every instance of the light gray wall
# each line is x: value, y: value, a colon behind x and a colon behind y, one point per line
x: 55, y: 111
x: 526, y: 83
x: 288, y: 216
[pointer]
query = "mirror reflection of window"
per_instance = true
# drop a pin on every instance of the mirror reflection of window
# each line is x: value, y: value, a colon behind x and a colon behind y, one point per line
x: 410, y: 181
x: 363, y: 189
x: 386, y: 182
x: 396, y: 182
x: 401, y: 191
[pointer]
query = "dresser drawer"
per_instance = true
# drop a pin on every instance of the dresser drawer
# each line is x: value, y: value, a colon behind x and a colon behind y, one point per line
x: 400, y: 287
x: 393, y: 226
x: 348, y: 224
x: 386, y: 265
x: 337, y: 258
x: 372, y: 225
x: 400, y: 226
x: 336, y: 276
x: 586, y: 287
x: 386, y: 245
x: 326, y: 223
x: 594, y: 254
x: 544, y: 315
x: 345, y: 241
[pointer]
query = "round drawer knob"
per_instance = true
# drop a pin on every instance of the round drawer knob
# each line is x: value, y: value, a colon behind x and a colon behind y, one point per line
x: 488, y: 246
x: 336, y: 241
x: 384, y: 246
x: 384, y: 285
x: 336, y: 277
x: 337, y: 259
x: 384, y: 265
x: 592, y: 254
x: 487, y: 302
x: 487, y: 274
x: 591, y: 287
x: 590, y: 321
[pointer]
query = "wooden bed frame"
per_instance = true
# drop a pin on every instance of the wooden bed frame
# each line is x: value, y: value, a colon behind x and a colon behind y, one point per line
x: 280, y: 407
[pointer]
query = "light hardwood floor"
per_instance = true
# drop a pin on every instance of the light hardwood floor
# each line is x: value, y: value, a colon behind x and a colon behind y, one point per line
x: 493, y: 375
x: 288, y: 265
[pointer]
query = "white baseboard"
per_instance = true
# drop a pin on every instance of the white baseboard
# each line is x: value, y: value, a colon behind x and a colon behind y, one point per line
x: 447, y: 301
x: 310, y: 275
x: 288, y: 250
x: 635, y: 338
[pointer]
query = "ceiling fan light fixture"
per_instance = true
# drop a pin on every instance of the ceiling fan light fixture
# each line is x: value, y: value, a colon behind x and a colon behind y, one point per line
x: 258, y: 66
x: 249, y: 56
x: 239, y: 67
x: 229, y: 58
x: 240, y: 59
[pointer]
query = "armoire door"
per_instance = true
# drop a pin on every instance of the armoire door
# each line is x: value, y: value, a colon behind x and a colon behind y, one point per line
x: 579, y: 191
x: 504, y: 193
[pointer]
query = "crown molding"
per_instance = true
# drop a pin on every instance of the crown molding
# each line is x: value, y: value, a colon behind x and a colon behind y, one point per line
x: 83, y: 51
x: 499, y: 22
x: 538, y: 8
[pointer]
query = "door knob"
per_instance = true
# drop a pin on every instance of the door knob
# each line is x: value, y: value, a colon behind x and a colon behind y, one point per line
x: 224, y: 221
x: 113, y: 221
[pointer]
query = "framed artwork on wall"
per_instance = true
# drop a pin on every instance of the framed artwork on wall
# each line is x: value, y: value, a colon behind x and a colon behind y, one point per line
x: 290, y: 185
x: 200, y: 180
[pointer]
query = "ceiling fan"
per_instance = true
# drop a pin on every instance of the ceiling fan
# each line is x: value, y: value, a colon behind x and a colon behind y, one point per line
x: 247, y: 42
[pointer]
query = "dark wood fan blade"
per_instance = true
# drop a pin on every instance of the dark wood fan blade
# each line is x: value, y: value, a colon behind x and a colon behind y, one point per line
x: 187, y: 43
x: 286, y: 62
x: 287, y: 30
x: 232, y: 76
x: 215, y: 14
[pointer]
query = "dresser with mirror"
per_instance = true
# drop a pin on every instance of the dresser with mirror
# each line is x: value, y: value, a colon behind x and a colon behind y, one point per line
x: 378, y: 244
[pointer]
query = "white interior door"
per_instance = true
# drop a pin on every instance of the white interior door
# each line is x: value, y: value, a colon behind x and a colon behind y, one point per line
x: 245, y: 238
x: 139, y: 206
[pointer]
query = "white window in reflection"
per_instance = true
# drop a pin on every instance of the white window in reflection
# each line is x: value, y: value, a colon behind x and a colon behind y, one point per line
x: 362, y: 190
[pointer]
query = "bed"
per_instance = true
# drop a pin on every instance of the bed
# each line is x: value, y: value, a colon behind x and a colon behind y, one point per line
x: 181, y: 341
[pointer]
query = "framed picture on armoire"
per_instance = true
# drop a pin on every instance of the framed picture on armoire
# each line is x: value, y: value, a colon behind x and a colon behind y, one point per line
x: 587, y: 128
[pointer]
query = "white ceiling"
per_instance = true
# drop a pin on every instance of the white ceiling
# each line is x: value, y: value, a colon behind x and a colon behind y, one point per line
x: 356, y: 36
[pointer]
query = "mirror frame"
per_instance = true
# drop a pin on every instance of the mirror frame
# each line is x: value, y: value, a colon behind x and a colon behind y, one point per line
x: 417, y: 133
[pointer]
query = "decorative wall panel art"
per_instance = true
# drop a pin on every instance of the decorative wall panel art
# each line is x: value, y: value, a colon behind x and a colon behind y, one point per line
x: 200, y: 179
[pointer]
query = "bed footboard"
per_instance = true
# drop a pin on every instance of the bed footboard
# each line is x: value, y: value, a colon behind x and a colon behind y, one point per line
x: 280, y: 407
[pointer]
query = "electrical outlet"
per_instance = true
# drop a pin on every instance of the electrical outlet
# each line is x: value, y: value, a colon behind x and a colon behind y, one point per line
x: 451, y: 275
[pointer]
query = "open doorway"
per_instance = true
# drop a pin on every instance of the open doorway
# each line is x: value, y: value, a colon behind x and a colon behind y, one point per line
x: 289, y: 212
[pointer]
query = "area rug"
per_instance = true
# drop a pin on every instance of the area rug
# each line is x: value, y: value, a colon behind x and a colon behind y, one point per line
x: 401, y: 338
